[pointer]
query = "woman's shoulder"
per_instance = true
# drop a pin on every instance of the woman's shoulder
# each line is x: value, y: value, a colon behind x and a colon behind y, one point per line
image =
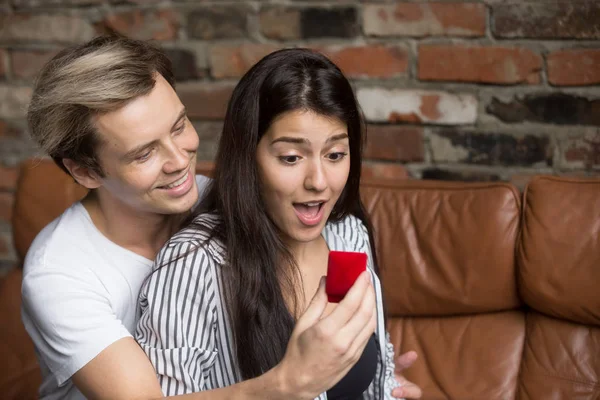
x: 347, y: 234
x: 194, y: 239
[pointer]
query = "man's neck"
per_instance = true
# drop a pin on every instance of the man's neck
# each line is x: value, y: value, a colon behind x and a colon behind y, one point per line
x: 141, y: 232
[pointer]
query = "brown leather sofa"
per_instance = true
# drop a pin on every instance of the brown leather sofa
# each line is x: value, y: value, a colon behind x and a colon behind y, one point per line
x: 498, y: 292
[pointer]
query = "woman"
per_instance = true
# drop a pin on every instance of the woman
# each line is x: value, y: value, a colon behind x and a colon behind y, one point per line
x: 229, y: 306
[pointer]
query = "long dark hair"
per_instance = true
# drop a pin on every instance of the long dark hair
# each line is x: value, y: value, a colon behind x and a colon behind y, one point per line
x: 260, y: 272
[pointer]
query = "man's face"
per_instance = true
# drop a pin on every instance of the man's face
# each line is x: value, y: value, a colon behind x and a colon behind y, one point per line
x: 148, y: 153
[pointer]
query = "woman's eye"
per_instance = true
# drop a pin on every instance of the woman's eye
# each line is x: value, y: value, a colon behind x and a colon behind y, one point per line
x: 289, y: 159
x: 337, y: 156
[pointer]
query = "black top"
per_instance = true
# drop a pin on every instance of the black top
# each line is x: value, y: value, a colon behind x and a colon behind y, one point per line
x: 358, y: 379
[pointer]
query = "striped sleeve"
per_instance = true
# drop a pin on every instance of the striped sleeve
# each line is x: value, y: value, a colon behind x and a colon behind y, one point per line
x: 177, y: 327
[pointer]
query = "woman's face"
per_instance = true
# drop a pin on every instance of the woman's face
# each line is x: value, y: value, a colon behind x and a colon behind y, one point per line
x: 303, y: 165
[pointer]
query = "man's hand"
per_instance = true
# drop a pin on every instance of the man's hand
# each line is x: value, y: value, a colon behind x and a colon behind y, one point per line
x: 407, y: 389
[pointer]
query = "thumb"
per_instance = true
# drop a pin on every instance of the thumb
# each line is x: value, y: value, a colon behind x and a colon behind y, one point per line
x: 315, y: 309
x: 405, y: 360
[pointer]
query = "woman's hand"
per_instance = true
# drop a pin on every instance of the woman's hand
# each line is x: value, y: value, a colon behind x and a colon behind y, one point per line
x: 407, y: 390
x: 323, y: 349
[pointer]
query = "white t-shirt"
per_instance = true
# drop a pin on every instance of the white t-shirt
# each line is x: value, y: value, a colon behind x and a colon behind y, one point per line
x: 80, y: 293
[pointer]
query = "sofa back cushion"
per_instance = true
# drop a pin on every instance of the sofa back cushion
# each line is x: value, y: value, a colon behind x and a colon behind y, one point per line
x: 445, y: 248
x: 446, y: 254
x: 44, y: 192
x: 559, y: 279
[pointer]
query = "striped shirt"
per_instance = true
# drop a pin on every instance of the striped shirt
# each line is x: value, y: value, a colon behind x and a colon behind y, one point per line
x: 184, y: 326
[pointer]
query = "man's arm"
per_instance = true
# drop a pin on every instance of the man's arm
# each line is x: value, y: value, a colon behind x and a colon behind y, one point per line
x: 122, y: 371
x: 320, y: 352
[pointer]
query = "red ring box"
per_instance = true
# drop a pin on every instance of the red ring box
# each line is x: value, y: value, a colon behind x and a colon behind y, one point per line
x: 343, y: 267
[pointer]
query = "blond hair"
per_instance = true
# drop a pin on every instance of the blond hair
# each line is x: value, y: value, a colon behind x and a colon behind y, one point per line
x: 81, y: 82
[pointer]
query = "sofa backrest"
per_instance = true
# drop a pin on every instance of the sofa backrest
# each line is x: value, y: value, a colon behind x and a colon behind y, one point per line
x: 559, y: 280
x: 44, y: 191
x: 446, y: 253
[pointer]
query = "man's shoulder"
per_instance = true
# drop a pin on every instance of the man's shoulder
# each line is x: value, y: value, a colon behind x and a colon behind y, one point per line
x: 61, y: 239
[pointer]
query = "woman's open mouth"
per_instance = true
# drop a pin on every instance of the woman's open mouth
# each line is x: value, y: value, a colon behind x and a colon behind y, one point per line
x: 310, y: 213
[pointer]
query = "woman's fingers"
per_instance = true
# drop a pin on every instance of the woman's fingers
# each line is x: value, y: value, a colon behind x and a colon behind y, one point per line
x: 315, y: 309
x: 348, y: 307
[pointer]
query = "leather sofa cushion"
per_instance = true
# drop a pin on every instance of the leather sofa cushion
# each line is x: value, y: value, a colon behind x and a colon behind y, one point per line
x: 445, y: 248
x: 45, y: 191
x: 463, y: 357
x: 559, y: 255
x: 19, y: 371
x: 561, y: 360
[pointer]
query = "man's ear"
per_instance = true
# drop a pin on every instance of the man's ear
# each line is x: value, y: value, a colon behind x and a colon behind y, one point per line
x: 83, y: 175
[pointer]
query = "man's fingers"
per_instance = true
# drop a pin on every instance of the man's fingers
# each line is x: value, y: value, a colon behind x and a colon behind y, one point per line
x: 315, y: 309
x: 405, y: 360
x: 408, y: 391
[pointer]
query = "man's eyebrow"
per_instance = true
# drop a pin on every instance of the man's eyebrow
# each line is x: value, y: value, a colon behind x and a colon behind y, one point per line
x: 138, y: 149
x: 299, y: 140
x: 178, y: 119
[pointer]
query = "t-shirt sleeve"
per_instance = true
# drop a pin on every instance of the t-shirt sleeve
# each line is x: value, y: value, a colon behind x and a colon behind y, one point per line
x: 202, y: 182
x: 177, y: 327
x: 67, y: 313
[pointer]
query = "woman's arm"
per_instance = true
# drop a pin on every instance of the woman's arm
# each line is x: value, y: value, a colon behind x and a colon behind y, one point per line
x: 182, y: 349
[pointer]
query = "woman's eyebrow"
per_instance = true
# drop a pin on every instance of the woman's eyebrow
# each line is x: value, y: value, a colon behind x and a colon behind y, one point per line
x: 300, y: 140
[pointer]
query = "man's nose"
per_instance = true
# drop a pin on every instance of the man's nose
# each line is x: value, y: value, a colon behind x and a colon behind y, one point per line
x: 178, y: 159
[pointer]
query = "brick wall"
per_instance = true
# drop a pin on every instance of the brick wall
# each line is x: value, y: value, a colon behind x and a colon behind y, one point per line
x: 474, y: 90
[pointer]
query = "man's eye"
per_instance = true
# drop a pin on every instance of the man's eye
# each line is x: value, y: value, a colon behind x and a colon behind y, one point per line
x: 180, y: 128
x: 144, y: 157
x: 289, y: 159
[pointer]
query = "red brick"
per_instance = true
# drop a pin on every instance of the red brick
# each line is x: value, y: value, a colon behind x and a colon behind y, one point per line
x: 490, y: 64
x: 27, y: 64
x: 9, y: 130
x: 46, y: 28
x: 280, y: 23
x: 574, y: 67
x: 546, y: 19
x: 381, y: 104
x: 8, y: 178
x: 394, y: 143
x: 6, y: 206
x: 227, y: 61
x: 205, y: 101
x: 384, y: 171
x: 160, y: 24
x: 375, y: 61
x: 581, y: 150
x: 2, y: 58
x: 13, y: 101
x: 425, y: 19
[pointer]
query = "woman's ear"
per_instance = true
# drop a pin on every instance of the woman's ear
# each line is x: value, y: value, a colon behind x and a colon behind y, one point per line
x: 83, y: 175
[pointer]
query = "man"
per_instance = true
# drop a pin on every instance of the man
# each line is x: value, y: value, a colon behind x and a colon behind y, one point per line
x: 107, y: 113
